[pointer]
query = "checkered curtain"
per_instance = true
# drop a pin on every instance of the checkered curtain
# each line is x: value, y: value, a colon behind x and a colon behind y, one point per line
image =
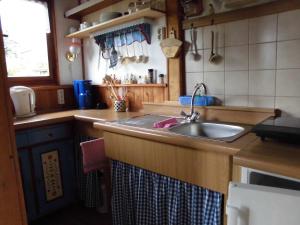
x: 141, y: 197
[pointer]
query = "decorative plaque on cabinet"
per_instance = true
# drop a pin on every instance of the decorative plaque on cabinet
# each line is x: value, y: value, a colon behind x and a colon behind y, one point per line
x: 52, y: 175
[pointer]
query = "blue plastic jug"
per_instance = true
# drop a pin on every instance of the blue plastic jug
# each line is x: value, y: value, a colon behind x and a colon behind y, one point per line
x: 83, y: 93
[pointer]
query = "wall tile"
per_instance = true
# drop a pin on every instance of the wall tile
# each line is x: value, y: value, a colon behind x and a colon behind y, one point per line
x: 214, y: 82
x: 198, y: 35
x: 288, y: 105
x: 236, y: 100
x: 236, y: 58
x: 219, y: 36
x: 192, y: 65
x: 288, y: 25
x: 288, y: 54
x: 191, y: 80
x: 261, y: 101
x: 236, y: 83
x: 263, y: 29
x: 208, y: 66
x: 236, y: 33
x: 262, y: 56
x: 288, y: 83
x: 262, y: 82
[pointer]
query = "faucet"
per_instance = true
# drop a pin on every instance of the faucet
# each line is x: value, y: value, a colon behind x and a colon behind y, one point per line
x: 194, y: 115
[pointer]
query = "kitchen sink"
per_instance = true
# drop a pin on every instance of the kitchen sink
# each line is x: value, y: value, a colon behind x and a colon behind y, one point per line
x: 210, y: 130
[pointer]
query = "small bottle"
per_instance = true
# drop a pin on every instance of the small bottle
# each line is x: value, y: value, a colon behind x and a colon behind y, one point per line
x: 151, y: 76
x: 161, y: 79
x: 140, y: 80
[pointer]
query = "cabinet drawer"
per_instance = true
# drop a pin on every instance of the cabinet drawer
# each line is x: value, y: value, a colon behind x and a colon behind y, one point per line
x: 50, y: 133
x: 21, y: 139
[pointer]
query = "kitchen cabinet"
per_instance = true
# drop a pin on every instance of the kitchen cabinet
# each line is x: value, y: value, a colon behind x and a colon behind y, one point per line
x: 47, y: 164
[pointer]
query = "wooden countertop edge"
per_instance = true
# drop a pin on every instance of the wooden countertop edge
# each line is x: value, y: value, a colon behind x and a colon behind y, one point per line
x: 173, y: 139
x: 271, y: 167
x: 226, y: 108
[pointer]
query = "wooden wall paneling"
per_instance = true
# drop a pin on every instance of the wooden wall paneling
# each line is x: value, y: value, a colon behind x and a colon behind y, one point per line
x: 176, y: 81
x: 244, y: 13
x: 136, y: 95
x: 12, y: 207
x: 46, y: 98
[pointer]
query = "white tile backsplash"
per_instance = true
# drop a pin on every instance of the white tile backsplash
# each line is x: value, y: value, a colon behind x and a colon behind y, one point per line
x: 261, y: 64
x: 288, y: 54
x: 262, y: 82
x: 288, y: 25
x: 214, y: 82
x: 288, y: 83
x: 261, y: 101
x: 192, y: 64
x: 219, y: 39
x: 236, y: 82
x: 262, y: 56
x: 236, y: 100
x: 236, y: 58
x: 191, y: 80
x: 236, y: 33
x: 288, y: 105
x: 263, y: 29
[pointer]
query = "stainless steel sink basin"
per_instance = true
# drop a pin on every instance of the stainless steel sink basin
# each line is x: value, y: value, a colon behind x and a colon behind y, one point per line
x: 217, y: 131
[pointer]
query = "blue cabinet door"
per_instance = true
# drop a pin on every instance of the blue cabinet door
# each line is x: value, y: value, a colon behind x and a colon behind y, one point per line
x: 55, y: 175
x: 28, y: 184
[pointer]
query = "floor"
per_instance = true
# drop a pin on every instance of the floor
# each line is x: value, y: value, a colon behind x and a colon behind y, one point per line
x: 75, y: 215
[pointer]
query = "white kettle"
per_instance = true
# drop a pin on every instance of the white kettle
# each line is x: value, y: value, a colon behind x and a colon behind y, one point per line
x: 24, y: 101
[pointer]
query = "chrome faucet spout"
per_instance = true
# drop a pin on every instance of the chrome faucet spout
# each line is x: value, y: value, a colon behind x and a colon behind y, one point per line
x: 194, y: 116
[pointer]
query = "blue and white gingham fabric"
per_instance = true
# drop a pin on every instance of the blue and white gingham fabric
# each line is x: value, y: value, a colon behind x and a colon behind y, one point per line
x: 140, y: 197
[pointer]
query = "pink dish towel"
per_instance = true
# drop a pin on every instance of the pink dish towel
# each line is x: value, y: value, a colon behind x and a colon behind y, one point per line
x: 165, y: 123
x: 93, y: 155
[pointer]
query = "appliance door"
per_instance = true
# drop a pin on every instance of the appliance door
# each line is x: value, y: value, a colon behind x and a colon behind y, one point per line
x: 260, y: 205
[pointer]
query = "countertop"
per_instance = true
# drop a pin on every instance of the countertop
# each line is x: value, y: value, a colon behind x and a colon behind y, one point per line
x: 91, y: 115
x: 271, y: 156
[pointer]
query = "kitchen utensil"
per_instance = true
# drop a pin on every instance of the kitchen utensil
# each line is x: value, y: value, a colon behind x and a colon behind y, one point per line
x: 140, y: 58
x: 133, y: 58
x: 110, y: 81
x: 113, y: 55
x: 214, y: 57
x: 119, y: 47
x: 171, y: 46
x: 192, y: 35
x: 24, y: 101
x: 106, y: 16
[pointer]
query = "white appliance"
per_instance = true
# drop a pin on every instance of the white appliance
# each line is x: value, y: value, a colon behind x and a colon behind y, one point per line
x: 264, y: 199
x: 24, y: 101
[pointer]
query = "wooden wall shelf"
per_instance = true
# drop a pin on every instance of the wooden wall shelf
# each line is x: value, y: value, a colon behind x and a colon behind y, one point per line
x: 144, y: 13
x: 88, y: 7
x: 138, y: 85
x: 245, y: 13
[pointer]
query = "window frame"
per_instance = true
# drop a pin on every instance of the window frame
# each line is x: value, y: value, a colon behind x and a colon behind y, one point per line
x: 52, y: 79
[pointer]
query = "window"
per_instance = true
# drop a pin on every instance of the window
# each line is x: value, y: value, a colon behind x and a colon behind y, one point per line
x: 28, y: 39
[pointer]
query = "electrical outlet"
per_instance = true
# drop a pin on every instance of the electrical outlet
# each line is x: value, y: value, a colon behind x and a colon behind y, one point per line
x: 61, y: 96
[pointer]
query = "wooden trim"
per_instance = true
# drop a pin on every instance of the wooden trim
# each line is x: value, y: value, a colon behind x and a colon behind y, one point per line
x: 12, y: 206
x: 88, y: 7
x: 245, y: 13
x: 176, y: 81
x: 52, y: 57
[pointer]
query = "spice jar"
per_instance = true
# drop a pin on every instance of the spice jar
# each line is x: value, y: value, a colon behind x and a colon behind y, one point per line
x: 161, y: 79
x: 151, y: 76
